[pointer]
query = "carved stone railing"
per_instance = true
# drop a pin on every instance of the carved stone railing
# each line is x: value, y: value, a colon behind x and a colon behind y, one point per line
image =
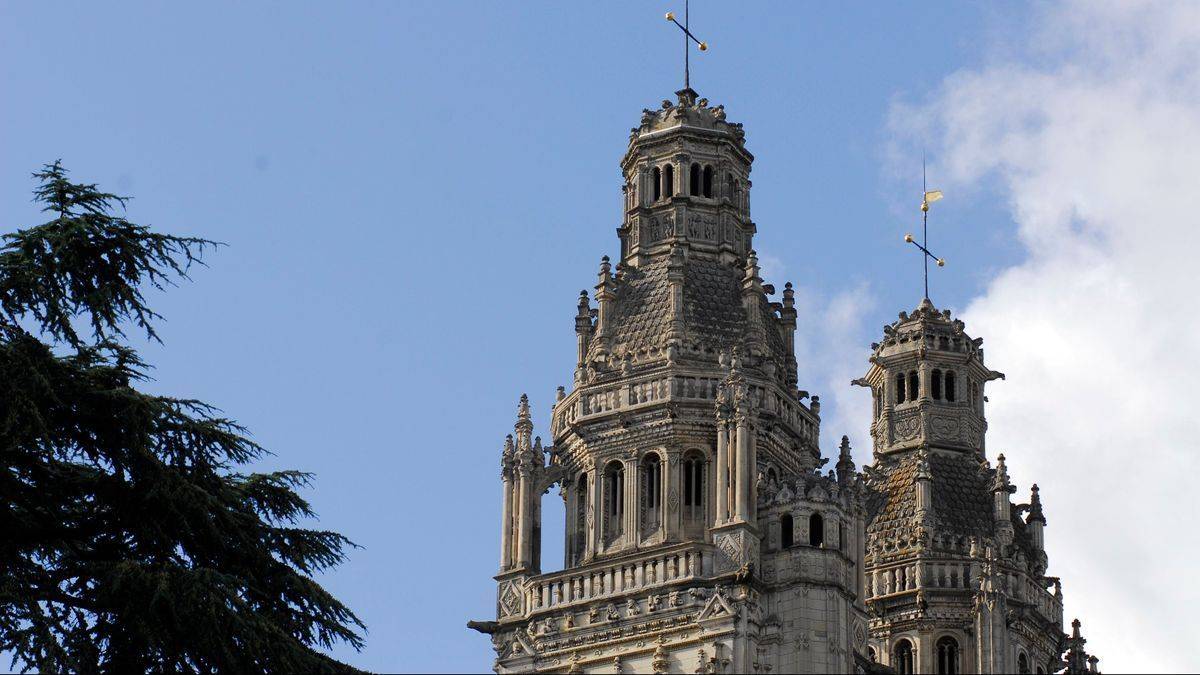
x: 602, y: 579
x: 596, y: 401
x: 951, y: 574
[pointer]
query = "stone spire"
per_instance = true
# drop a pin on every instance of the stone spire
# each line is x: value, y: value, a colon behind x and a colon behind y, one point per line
x: 524, y: 425
x: 1077, y: 660
x: 1001, y: 489
x: 845, y: 463
x: 1035, y: 507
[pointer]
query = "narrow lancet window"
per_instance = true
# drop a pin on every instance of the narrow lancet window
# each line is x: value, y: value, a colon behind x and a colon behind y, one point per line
x: 614, y: 500
x: 656, y: 176
x: 914, y: 386
x: 693, y: 494
x: 935, y: 385
x: 694, y: 180
x: 816, y: 530
x: 668, y: 181
x: 950, y: 393
x: 651, y: 502
x: 902, y: 657
x: 708, y: 181
x: 947, y: 656
x: 786, y: 531
x: 900, y: 388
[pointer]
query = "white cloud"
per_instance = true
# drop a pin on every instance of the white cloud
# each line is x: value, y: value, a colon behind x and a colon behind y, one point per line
x: 1093, y: 132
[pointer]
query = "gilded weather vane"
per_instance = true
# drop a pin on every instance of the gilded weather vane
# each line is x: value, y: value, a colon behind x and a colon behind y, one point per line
x: 927, y: 197
x: 687, y: 34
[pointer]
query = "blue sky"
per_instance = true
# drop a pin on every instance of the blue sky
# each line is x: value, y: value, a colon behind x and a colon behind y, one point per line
x: 414, y: 193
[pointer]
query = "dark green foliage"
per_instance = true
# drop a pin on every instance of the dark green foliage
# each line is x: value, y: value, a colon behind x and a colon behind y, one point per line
x: 128, y: 540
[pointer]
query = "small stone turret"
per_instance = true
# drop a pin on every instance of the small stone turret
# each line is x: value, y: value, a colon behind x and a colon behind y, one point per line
x: 1035, y: 522
x: 584, y: 327
x: 1002, y: 507
x: 926, y: 380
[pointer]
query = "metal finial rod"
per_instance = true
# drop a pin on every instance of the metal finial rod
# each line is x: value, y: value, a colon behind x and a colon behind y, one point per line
x: 927, y: 196
x: 687, y: 34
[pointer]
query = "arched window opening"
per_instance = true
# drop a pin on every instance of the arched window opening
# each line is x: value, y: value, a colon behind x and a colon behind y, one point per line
x: 902, y: 657
x: 871, y: 654
x: 935, y: 385
x: 950, y: 393
x: 1022, y: 663
x: 947, y: 656
x: 900, y: 388
x: 772, y: 477
x: 656, y: 176
x: 944, y: 343
x: 651, y: 501
x: 786, y: 531
x: 669, y: 181
x: 914, y: 386
x: 693, y: 491
x: 614, y: 500
x: 708, y: 181
x: 694, y: 181
x: 816, y: 530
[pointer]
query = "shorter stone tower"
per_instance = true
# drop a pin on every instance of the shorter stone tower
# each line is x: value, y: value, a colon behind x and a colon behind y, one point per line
x: 955, y: 577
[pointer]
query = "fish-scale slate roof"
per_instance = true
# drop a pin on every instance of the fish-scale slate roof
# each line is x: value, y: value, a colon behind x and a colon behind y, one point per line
x: 962, y: 502
x: 962, y: 499
x: 712, y: 306
x: 643, y: 310
x: 712, y: 302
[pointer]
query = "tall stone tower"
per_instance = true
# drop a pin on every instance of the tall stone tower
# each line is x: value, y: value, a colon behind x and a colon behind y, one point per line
x: 955, y: 573
x: 700, y: 534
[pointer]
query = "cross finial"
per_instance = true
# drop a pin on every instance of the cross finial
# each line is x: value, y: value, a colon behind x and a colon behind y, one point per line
x: 687, y: 35
x: 927, y: 197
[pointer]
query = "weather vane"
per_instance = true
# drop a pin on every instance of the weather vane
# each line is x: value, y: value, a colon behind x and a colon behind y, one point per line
x: 687, y: 34
x: 927, y: 197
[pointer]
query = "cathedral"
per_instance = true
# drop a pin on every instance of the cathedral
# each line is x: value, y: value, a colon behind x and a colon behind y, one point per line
x: 705, y: 532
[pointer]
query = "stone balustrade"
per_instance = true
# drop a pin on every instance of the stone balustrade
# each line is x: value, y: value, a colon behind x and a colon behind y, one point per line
x: 600, y: 579
x: 957, y: 575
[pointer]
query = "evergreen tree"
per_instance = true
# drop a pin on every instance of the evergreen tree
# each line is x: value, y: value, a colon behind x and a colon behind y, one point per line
x: 128, y: 539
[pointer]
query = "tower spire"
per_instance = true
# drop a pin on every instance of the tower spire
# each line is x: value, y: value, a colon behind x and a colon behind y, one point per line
x: 927, y: 197
x: 687, y: 34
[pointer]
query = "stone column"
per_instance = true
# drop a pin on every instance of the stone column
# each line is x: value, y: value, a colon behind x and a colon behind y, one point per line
x: 525, y: 519
x: 506, y: 525
x: 632, y: 528
x: 672, y: 495
x: 744, y: 479
x: 720, y: 479
x: 595, y: 501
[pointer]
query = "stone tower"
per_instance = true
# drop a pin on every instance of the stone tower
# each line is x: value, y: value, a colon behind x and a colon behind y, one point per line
x: 701, y: 535
x: 955, y: 576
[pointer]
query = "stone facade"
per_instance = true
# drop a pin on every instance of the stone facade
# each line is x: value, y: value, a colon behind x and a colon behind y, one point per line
x: 702, y: 534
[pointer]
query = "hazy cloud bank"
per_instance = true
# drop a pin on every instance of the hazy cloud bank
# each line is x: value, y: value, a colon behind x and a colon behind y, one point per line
x: 1092, y: 131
